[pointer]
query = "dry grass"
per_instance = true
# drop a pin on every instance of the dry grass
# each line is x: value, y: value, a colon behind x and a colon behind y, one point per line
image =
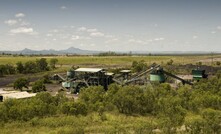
x: 64, y: 61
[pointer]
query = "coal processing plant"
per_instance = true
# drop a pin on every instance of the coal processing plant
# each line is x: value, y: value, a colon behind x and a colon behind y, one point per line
x: 76, y: 79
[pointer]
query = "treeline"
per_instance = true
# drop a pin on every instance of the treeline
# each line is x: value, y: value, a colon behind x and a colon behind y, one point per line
x: 195, y: 108
x: 39, y: 65
x: 110, y: 53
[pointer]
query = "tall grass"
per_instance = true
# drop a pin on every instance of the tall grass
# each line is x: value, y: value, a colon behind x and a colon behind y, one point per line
x: 92, y: 123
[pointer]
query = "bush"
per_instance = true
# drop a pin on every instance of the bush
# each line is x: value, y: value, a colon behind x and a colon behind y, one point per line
x: 41, y: 65
x: 213, y: 120
x: 20, y: 83
x: 30, y: 67
x: 38, y: 86
x: 93, y: 97
x: 139, y: 66
x: 195, y: 125
x: 74, y: 108
x: 20, y: 67
x: 130, y: 99
x: 53, y: 62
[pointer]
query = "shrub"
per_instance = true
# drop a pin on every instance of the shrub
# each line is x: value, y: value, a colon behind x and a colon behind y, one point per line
x: 38, y: 86
x: 20, y: 83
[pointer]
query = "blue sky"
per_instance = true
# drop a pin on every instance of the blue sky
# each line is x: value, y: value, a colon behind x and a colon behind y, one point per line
x: 111, y: 25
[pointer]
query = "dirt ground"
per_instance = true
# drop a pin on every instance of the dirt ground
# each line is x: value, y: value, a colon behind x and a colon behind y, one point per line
x: 6, y: 80
x: 210, y: 60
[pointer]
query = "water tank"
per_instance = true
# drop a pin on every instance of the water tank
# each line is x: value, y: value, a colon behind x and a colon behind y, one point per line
x: 157, y: 77
x: 198, y: 74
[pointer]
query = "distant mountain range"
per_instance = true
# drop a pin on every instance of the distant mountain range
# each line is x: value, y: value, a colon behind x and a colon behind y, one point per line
x: 77, y: 51
x: 71, y: 50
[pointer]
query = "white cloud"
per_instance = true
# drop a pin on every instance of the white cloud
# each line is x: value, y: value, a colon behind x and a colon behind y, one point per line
x: 92, y: 30
x: 82, y: 29
x: 97, y: 34
x: 136, y: 41
x: 49, y: 35
x: 213, y: 32
x: 219, y: 27
x: 11, y: 22
x: 75, y: 37
x: 89, y: 30
x: 159, y: 39
x: 63, y: 7
x: 54, y: 31
x: 19, y: 15
x: 24, y: 23
x: 92, y: 45
x: 22, y: 30
x: 195, y: 37
x: 112, y: 40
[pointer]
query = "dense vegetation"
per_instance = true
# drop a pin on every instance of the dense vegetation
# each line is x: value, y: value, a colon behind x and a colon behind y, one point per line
x: 128, y: 109
x: 39, y: 65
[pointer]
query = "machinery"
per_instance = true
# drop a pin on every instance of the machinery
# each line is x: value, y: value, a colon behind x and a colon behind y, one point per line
x: 157, y: 74
x: 84, y: 77
x: 199, y: 74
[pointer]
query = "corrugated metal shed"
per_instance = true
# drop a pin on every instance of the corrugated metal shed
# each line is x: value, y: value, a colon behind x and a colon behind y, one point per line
x: 91, y: 70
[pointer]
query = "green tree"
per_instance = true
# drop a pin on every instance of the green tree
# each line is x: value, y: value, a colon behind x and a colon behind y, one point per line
x: 2, y: 70
x: 93, y: 97
x: 128, y: 100
x: 74, y: 108
x: 213, y: 120
x: 170, y: 62
x: 171, y: 113
x: 218, y: 63
x: 10, y: 69
x: 46, y: 79
x: 199, y: 63
x: 38, y: 86
x: 20, y: 83
x: 218, y: 74
x: 53, y: 63
x: 30, y: 67
x: 20, y: 67
x: 195, y: 125
x: 42, y: 64
x: 139, y: 66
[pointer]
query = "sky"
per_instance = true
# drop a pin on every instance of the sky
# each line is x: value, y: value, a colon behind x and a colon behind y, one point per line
x: 111, y: 25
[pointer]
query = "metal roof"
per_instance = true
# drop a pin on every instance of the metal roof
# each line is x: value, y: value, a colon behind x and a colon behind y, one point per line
x: 125, y: 71
x: 18, y: 95
x: 91, y: 70
x: 7, y: 92
x: 110, y: 74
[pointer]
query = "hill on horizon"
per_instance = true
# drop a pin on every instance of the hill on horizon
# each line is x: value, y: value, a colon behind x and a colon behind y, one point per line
x: 77, y: 51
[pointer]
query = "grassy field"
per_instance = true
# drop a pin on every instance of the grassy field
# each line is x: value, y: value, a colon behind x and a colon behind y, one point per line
x: 112, y: 60
x: 92, y: 123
